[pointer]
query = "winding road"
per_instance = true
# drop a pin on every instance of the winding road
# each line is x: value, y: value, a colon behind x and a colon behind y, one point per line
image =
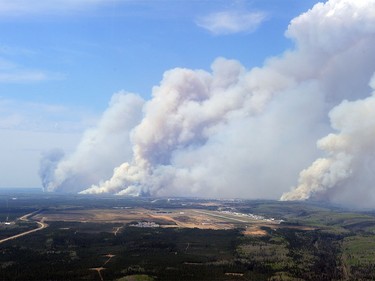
x: 41, y: 225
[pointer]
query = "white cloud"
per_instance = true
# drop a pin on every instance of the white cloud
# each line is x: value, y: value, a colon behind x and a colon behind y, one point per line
x: 27, y: 76
x: 229, y: 22
x: 41, y: 117
x: 11, y: 8
x: 7, y: 50
x: 11, y: 72
x: 23, y: 76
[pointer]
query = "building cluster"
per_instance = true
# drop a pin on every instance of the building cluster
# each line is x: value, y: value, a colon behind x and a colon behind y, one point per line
x: 252, y: 216
x: 145, y: 224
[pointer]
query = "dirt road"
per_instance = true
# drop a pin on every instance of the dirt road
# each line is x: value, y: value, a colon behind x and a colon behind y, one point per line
x: 41, y: 225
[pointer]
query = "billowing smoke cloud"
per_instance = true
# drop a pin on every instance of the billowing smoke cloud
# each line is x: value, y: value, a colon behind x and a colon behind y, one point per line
x: 234, y: 132
x: 48, y: 165
x: 347, y: 173
x: 100, y: 149
x: 217, y: 133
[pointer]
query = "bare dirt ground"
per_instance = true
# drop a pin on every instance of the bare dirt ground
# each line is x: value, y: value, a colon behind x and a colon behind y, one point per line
x: 254, y: 231
x: 98, y: 269
x: 184, y: 218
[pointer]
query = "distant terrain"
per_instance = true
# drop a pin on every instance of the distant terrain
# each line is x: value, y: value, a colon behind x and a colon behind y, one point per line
x: 71, y: 237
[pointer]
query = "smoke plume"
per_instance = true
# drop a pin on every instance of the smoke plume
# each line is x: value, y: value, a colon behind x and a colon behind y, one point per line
x: 100, y: 149
x: 237, y: 132
x: 346, y: 173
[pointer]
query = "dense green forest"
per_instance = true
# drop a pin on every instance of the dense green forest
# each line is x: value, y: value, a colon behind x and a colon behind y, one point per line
x: 341, y: 246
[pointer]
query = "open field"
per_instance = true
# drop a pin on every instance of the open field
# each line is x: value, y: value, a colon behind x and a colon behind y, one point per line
x: 180, y: 218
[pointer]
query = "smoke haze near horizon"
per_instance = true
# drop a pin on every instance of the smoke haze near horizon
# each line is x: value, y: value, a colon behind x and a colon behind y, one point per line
x: 251, y: 133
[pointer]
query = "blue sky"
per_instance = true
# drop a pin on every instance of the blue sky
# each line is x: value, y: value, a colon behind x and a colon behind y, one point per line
x: 62, y: 60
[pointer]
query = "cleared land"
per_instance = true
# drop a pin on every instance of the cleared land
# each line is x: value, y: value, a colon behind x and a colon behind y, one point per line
x: 168, y: 218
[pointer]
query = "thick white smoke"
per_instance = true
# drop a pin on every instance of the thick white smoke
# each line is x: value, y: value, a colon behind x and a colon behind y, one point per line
x: 204, y: 132
x: 100, y: 149
x: 346, y: 174
x: 234, y: 132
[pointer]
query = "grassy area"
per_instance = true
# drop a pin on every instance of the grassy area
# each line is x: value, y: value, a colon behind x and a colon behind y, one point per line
x: 358, y: 253
x: 269, y: 252
x: 359, y: 250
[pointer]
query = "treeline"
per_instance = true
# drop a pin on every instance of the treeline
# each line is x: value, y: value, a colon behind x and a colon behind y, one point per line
x: 68, y: 251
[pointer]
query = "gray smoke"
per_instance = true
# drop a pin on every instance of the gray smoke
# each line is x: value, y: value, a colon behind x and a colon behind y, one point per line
x: 346, y: 174
x: 48, y: 165
x: 100, y: 149
x: 233, y: 132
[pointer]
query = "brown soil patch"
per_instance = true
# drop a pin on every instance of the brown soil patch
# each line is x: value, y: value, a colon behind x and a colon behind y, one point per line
x: 254, y: 231
x: 184, y: 218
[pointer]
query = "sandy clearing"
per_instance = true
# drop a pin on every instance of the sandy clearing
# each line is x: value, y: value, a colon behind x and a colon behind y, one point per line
x: 167, y: 218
